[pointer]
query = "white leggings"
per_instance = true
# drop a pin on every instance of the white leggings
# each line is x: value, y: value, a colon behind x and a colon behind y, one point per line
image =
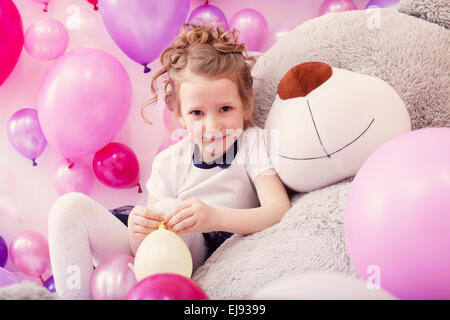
x: 81, y: 233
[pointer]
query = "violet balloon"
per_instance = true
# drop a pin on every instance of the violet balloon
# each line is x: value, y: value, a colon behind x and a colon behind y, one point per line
x: 142, y: 28
x: 3, y: 252
x: 84, y: 100
x: 7, y: 278
x: 50, y: 284
x: 381, y: 4
x: 117, y: 166
x: 329, y: 6
x: 11, y: 35
x: 25, y: 133
x: 166, y: 286
x: 252, y: 27
x: 113, y: 278
x: 46, y: 39
x: 397, y: 218
x: 209, y: 14
x: 73, y: 176
x: 29, y: 253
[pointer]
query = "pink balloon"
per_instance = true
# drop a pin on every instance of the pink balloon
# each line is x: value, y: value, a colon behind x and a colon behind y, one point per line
x: 113, y: 278
x: 142, y: 28
x: 166, y: 286
x: 210, y: 14
x: 73, y: 176
x: 29, y: 253
x: 44, y: 2
x: 397, y: 218
x: 83, y: 102
x: 117, y: 166
x: 46, y: 39
x: 25, y: 134
x: 252, y: 27
x: 11, y: 35
x: 336, y: 6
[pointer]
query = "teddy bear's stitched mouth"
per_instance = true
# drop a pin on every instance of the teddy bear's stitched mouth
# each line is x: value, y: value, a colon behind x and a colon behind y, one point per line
x: 328, y: 155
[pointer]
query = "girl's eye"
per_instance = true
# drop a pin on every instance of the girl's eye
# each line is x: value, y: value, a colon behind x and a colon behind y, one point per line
x: 196, y: 112
x: 226, y: 108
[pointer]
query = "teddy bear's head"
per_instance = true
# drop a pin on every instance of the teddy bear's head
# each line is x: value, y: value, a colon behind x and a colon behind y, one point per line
x: 405, y: 48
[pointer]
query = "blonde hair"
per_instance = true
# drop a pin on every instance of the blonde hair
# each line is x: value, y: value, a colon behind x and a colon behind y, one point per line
x: 205, y: 50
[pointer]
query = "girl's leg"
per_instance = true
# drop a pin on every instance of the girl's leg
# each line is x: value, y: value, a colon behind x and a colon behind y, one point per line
x: 81, y: 234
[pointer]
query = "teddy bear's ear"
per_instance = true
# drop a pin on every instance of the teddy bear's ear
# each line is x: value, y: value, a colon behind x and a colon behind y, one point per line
x: 434, y: 11
x: 302, y: 79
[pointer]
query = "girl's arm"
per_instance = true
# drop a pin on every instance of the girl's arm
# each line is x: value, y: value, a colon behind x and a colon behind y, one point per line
x: 274, y: 202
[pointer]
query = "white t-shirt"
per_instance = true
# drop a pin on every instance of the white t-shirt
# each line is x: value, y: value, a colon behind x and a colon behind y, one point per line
x: 174, y: 174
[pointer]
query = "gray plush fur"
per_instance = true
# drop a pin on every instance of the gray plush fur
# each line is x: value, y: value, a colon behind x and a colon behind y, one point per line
x: 411, y: 54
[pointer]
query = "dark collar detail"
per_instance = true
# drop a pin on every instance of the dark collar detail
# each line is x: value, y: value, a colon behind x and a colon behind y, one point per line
x: 223, y: 161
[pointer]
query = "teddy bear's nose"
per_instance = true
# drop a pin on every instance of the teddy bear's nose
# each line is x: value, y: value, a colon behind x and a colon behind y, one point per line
x: 302, y: 79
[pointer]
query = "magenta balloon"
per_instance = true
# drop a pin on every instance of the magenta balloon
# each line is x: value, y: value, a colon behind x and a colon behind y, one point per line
x: 252, y: 27
x: 113, y: 278
x: 166, y: 286
x: 83, y: 102
x: 397, y: 218
x: 29, y: 253
x: 209, y: 13
x: 7, y: 278
x: 11, y: 35
x: 143, y: 28
x: 46, y: 39
x: 117, y: 166
x: 73, y: 176
x: 336, y: 6
x: 25, y: 133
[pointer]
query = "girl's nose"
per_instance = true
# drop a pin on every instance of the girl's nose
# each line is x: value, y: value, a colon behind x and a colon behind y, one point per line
x: 212, y: 123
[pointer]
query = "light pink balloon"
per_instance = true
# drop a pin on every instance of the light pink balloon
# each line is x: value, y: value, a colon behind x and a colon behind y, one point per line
x: 252, y: 27
x: 397, y: 218
x: 46, y: 39
x: 113, y: 278
x: 73, y: 176
x: 29, y: 253
x: 84, y: 100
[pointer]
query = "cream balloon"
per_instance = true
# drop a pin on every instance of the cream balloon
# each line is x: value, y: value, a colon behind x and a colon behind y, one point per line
x: 163, y: 251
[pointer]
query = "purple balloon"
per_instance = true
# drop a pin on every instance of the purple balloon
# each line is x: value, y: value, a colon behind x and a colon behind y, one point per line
x: 73, y: 176
x: 210, y: 14
x: 252, y: 27
x: 381, y: 4
x: 336, y: 6
x: 113, y: 278
x: 3, y: 252
x: 25, y: 134
x: 50, y: 284
x: 29, y: 253
x: 7, y: 278
x: 166, y: 286
x: 46, y: 39
x: 142, y: 28
x: 397, y: 217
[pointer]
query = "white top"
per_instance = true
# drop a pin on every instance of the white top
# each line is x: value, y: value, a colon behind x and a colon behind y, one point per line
x: 174, y: 174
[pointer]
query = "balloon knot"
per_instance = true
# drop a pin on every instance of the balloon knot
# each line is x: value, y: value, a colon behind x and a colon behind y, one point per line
x: 34, y: 162
x: 140, y: 189
x: 95, y: 7
x: 146, y: 69
x: 46, y: 8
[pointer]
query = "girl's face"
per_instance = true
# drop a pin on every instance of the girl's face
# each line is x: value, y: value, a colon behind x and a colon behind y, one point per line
x: 212, y: 112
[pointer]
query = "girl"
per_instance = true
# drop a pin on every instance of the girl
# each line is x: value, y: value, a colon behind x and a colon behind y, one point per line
x: 220, y: 172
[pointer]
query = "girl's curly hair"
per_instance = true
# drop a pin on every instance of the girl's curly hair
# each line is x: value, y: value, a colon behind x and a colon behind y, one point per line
x: 205, y: 50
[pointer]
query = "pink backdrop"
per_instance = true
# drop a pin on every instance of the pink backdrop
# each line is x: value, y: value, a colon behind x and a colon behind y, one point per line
x: 27, y: 192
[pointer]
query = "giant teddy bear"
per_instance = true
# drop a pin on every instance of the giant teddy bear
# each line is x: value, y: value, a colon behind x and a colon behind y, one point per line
x: 407, y: 47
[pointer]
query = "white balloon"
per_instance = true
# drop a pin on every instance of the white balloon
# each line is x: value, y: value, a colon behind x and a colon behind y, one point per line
x: 321, y: 286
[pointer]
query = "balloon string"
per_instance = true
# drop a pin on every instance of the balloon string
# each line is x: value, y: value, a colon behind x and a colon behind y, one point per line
x: 42, y: 280
x: 140, y: 189
x: 70, y: 163
x: 34, y: 162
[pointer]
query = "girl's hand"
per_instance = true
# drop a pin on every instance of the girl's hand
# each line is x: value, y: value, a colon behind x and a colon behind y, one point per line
x: 142, y: 221
x: 192, y: 215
